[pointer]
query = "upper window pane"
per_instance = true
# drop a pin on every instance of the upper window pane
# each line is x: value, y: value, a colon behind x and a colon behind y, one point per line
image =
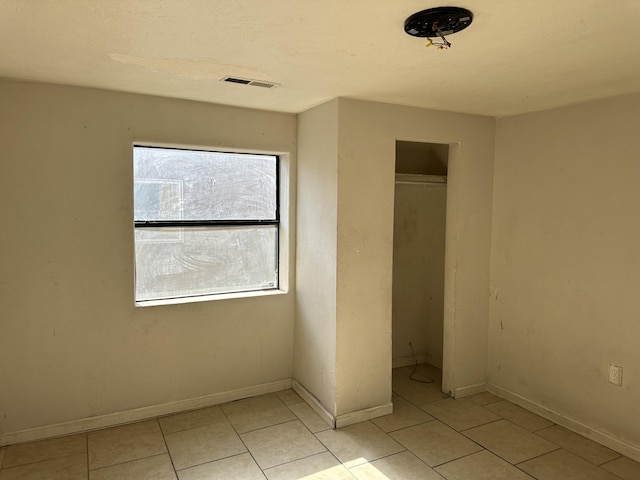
x: 173, y: 184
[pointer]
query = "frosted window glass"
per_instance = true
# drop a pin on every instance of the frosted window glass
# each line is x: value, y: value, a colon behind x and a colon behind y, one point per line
x: 172, y: 184
x: 182, y: 262
x: 177, y: 261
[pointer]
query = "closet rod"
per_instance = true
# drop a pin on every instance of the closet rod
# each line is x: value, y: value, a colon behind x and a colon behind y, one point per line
x: 408, y: 182
x: 413, y: 179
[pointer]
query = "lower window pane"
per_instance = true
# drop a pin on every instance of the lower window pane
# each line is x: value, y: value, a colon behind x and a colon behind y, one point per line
x: 185, y: 262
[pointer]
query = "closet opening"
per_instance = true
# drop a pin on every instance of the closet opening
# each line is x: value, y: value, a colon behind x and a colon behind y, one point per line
x: 419, y: 256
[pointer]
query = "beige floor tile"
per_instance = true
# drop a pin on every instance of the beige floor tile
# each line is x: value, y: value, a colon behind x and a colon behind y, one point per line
x: 192, y: 419
x: 404, y: 415
x: 423, y: 371
x: 151, y: 468
x: 203, y: 444
x: 483, y: 398
x: 562, y: 465
x: 422, y: 368
x: 289, y: 397
x: 309, y: 417
x: 416, y: 392
x: 519, y: 416
x: 73, y: 467
x: 435, y: 443
x: 405, y: 466
x: 322, y: 466
x: 623, y: 467
x: 483, y: 465
x: 24, y: 453
x: 257, y: 412
x: 280, y: 444
x: 460, y: 414
x: 124, y: 444
x: 401, y: 372
x: 359, y: 443
x: 578, y: 445
x: 509, y: 441
x: 241, y: 467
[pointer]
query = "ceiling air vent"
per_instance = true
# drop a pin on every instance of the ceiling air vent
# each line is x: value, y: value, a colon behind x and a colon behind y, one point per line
x: 247, y: 81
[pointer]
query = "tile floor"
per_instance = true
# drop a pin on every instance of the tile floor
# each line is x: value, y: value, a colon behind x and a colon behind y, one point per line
x: 278, y: 437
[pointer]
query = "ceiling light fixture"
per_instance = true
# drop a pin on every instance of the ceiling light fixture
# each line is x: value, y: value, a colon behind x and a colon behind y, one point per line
x: 438, y: 22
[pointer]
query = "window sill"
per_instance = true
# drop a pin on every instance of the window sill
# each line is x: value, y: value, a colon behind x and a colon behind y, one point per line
x: 209, y: 298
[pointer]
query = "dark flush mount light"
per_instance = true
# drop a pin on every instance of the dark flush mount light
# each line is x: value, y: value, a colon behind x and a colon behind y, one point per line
x: 438, y: 22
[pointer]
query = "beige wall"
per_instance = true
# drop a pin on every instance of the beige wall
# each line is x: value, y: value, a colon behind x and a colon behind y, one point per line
x: 367, y: 141
x: 72, y: 344
x: 564, y: 258
x: 69, y: 324
x: 317, y: 203
x: 346, y: 188
x: 565, y: 266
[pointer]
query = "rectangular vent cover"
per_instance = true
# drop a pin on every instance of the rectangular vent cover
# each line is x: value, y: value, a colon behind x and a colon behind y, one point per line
x: 247, y: 81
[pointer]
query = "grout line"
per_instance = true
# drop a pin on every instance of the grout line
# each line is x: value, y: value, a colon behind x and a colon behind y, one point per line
x: 298, y: 459
x: 410, y: 426
x: 132, y: 461
x: 164, y: 439
x: 226, y: 418
x: 248, y: 451
x: 314, y: 413
x: 612, y: 460
x: 545, y: 428
x: 404, y: 449
x: 582, y: 437
x: 610, y: 473
x: 337, y: 459
x: 526, y: 473
x: 460, y: 458
x: 216, y: 460
x: 537, y: 456
x: 52, y: 459
x: 274, y: 425
x: 478, y: 426
x: 87, y: 455
x: 500, y: 456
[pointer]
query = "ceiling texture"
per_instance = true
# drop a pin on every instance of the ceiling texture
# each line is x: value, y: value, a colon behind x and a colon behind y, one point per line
x: 517, y: 56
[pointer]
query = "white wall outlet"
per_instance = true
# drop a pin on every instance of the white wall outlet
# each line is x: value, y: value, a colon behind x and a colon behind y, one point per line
x: 615, y: 374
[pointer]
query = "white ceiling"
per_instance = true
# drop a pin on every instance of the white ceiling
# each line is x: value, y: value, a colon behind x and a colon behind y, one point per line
x: 517, y: 56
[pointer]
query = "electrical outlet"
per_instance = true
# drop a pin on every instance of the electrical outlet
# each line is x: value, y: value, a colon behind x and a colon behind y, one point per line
x: 615, y: 374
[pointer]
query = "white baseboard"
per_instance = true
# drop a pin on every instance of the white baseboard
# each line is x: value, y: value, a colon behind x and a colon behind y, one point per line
x: 620, y: 446
x: 411, y: 360
x: 314, y: 403
x: 363, y: 415
x: 340, y: 420
x: 138, y: 414
x: 467, y: 390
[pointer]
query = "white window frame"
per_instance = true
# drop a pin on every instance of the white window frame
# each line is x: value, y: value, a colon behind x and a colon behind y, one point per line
x: 284, y: 231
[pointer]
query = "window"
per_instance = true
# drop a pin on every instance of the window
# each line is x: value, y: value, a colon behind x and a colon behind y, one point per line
x: 206, y: 223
